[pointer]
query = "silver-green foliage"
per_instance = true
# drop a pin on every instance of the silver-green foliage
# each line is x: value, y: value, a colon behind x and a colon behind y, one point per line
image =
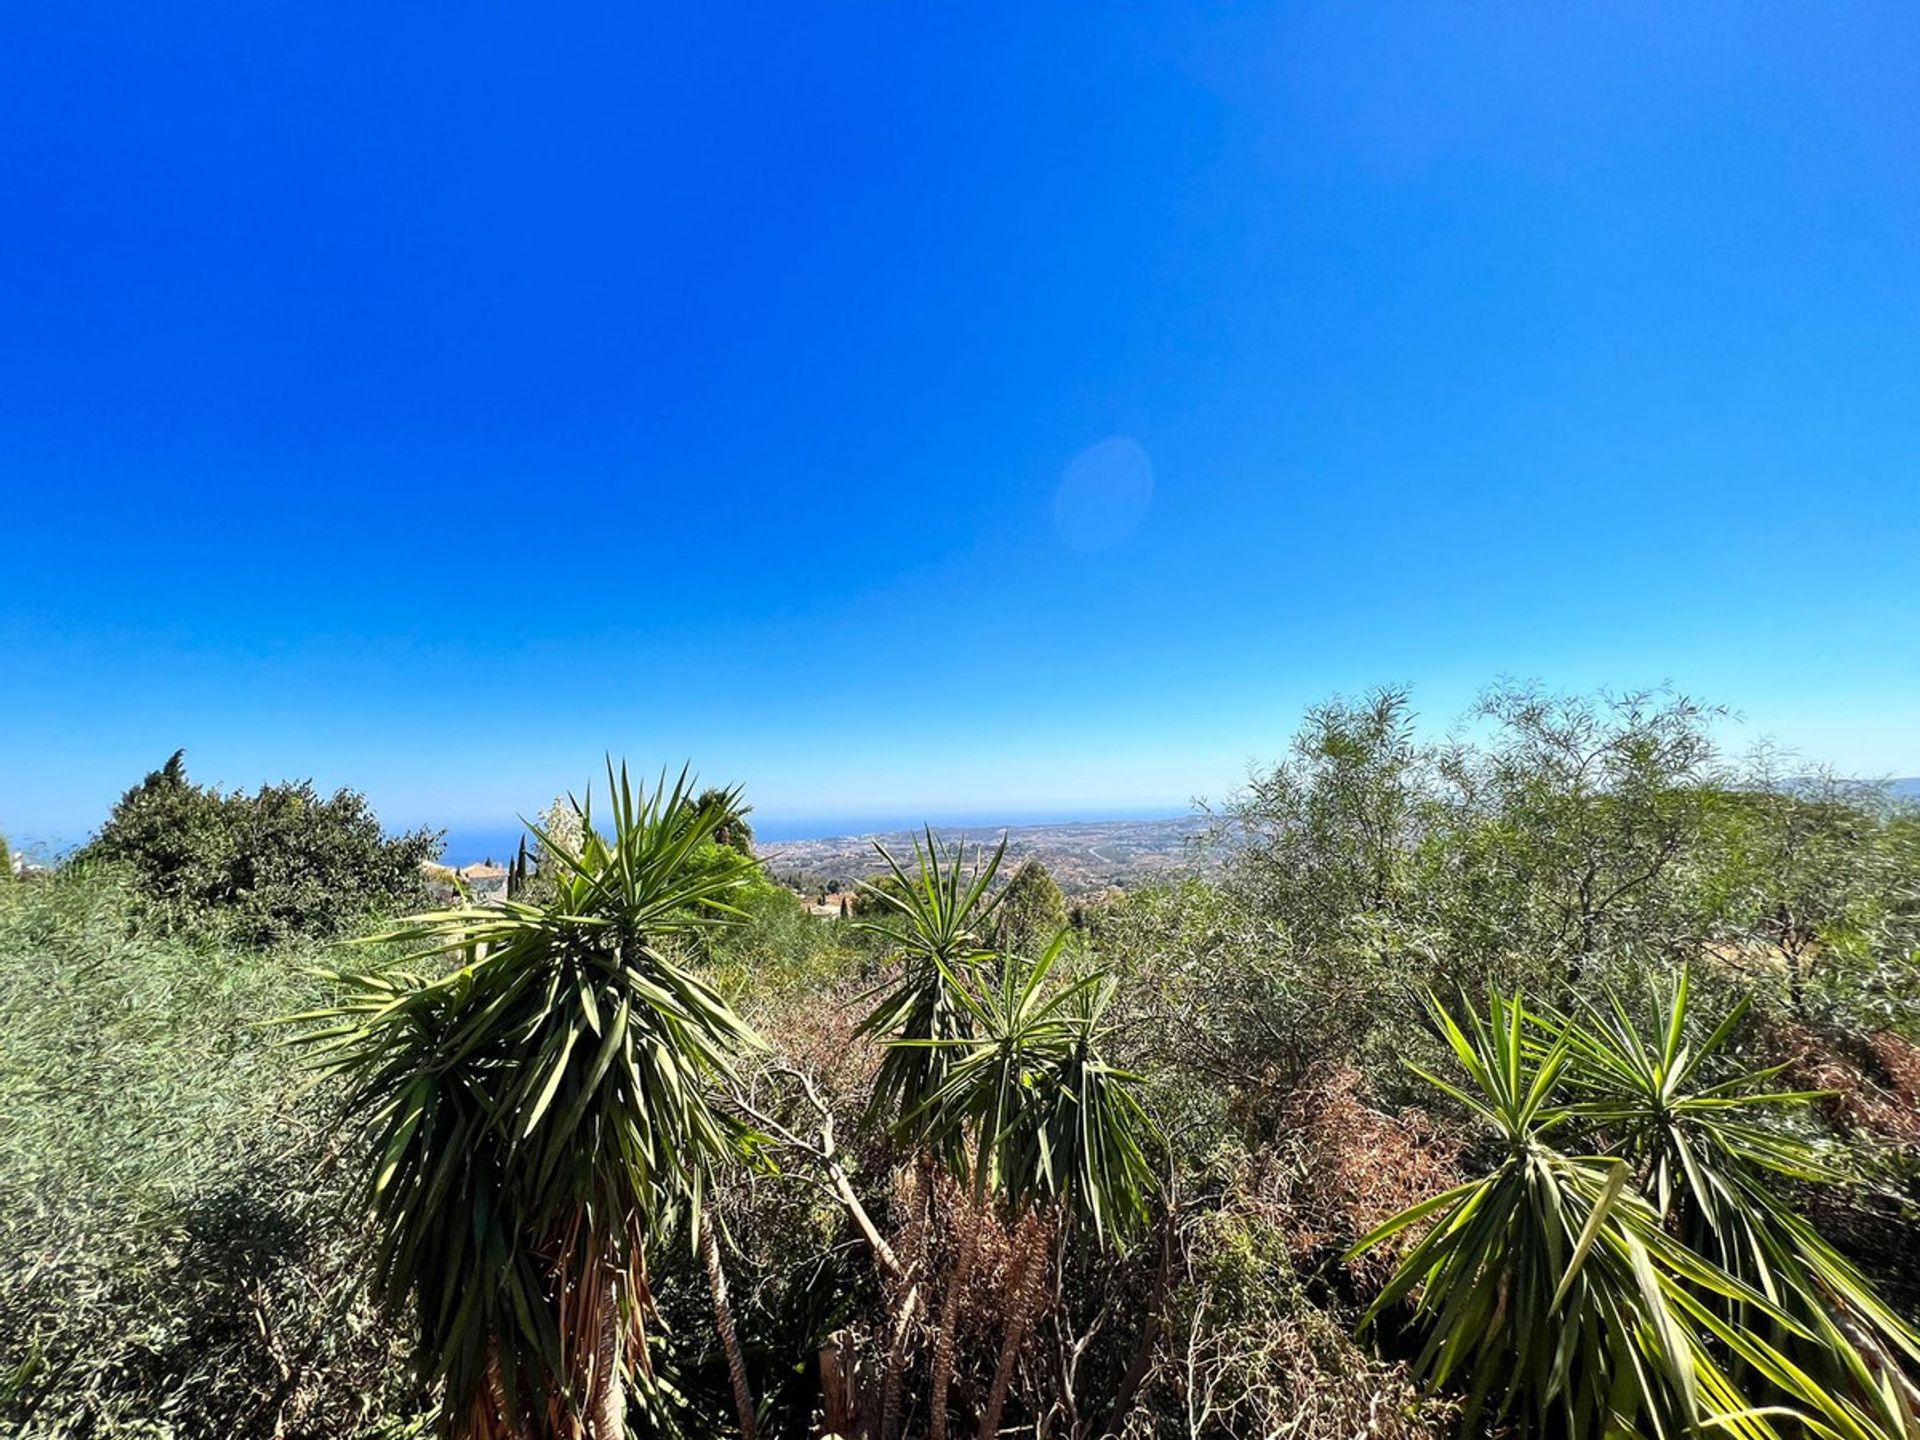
x: 174, y: 1254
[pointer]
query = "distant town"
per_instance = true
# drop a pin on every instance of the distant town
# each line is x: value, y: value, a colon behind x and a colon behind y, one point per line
x: 1086, y: 857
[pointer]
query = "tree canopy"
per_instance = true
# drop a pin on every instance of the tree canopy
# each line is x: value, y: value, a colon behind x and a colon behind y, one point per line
x: 260, y: 868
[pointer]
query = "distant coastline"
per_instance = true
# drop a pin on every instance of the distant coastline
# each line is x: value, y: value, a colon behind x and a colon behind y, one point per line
x: 466, y: 844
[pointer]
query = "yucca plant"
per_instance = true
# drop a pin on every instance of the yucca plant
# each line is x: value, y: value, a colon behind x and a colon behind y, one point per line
x: 539, y: 1104
x: 1078, y: 1136
x: 1549, y: 1286
x: 1711, y: 1143
x: 934, y: 922
x: 1046, y: 1127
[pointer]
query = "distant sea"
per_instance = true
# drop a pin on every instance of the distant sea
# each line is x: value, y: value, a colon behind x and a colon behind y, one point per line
x: 467, y: 844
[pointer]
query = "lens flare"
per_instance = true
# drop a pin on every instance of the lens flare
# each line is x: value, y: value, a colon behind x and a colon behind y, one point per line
x: 1103, y: 496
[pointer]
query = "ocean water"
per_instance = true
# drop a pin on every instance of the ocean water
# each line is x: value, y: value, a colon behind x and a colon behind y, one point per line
x: 467, y: 844
x: 470, y: 844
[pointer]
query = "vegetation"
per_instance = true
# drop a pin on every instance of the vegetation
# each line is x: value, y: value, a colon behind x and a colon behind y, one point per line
x: 733, y: 831
x: 1557, y: 1287
x: 1556, y: 1077
x: 176, y: 1254
x: 540, y: 1103
x: 283, y: 863
x: 999, y: 1078
x: 1031, y: 912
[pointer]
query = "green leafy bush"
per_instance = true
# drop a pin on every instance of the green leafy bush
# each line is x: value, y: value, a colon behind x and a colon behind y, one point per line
x: 282, y: 863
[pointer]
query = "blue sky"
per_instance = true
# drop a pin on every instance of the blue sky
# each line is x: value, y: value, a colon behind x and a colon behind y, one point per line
x: 997, y: 407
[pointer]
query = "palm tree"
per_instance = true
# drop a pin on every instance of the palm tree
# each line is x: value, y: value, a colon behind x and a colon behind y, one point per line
x: 1054, y: 1132
x: 539, y: 1105
x: 733, y: 830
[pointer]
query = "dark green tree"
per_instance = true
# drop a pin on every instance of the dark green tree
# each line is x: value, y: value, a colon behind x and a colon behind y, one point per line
x: 281, y: 863
x: 734, y: 831
x: 1032, y: 912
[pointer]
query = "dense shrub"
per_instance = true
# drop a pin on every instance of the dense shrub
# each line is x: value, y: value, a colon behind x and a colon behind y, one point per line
x: 781, y: 952
x: 1247, y: 1353
x: 1562, y: 842
x: 259, y: 869
x: 175, y: 1256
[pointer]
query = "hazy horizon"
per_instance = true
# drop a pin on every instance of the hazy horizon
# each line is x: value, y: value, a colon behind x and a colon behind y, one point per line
x: 466, y: 841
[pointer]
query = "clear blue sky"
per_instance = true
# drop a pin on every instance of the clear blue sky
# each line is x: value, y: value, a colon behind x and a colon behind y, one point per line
x: 895, y: 407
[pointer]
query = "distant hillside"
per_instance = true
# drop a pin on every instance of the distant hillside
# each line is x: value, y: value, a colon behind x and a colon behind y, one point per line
x: 1907, y: 789
x: 1085, y: 857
